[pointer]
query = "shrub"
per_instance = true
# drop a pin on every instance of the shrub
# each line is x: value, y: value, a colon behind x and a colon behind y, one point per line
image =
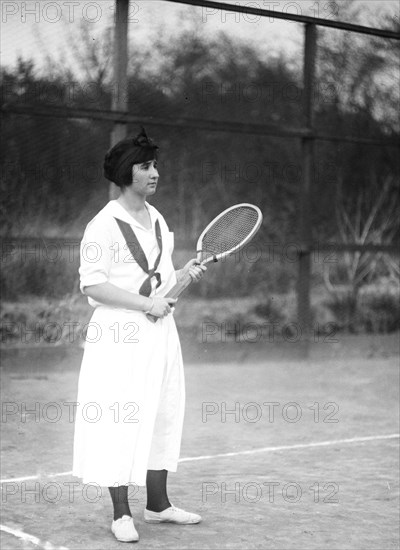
x: 42, y: 321
x: 39, y: 277
x: 269, y: 311
x: 373, y: 312
x: 380, y: 313
x: 344, y: 308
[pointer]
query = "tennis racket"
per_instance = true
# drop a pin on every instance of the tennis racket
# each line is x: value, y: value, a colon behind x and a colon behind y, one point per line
x: 225, y: 235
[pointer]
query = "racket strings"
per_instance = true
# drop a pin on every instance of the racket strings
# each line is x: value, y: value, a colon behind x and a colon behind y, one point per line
x: 229, y: 231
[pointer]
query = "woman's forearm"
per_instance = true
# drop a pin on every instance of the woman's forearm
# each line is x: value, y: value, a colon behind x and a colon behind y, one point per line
x: 111, y: 295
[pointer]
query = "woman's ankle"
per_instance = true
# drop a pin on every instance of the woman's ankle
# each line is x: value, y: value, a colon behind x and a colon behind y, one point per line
x: 119, y: 497
x: 120, y: 513
x: 158, y: 507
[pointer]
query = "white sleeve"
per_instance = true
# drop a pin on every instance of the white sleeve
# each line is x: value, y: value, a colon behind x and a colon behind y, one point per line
x: 95, y: 254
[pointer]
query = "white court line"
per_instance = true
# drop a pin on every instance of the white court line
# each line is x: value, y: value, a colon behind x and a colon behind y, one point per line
x: 38, y: 476
x: 298, y: 446
x: 48, y: 546
x: 249, y: 452
x: 44, y: 544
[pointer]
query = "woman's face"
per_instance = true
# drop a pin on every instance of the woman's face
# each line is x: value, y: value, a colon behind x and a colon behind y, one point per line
x: 144, y: 178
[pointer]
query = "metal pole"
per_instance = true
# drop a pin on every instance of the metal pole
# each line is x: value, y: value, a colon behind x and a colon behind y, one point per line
x: 305, y: 229
x: 120, y: 83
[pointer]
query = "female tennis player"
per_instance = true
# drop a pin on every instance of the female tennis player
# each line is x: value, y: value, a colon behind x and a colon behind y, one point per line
x: 131, y: 392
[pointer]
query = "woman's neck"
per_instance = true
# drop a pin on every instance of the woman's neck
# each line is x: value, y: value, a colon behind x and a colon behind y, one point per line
x: 132, y: 203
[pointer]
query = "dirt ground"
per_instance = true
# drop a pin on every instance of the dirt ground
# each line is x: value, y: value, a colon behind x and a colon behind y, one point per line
x: 332, y: 483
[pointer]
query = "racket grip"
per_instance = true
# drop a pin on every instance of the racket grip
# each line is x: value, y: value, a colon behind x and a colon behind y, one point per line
x: 175, y: 291
x: 151, y: 317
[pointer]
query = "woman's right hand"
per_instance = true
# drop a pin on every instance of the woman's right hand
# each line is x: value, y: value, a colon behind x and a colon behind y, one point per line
x: 162, y: 306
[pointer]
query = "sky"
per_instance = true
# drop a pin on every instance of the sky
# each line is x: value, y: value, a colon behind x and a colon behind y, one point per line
x: 36, y: 29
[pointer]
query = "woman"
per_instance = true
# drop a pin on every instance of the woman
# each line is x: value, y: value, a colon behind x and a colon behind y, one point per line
x: 131, y: 387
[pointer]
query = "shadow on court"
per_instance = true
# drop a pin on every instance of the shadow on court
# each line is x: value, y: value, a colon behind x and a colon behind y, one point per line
x: 326, y: 475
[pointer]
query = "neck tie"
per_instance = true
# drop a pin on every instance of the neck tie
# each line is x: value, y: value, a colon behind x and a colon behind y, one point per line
x: 140, y: 257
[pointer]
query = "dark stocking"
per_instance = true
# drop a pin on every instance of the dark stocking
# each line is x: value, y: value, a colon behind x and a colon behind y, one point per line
x: 156, y: 483
x: 119, y: 497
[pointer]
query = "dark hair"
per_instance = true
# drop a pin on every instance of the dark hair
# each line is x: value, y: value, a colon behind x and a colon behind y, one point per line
x: 121, y: 157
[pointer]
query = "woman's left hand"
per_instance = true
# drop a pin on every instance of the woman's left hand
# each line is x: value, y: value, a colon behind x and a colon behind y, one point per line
x: 194, y: 269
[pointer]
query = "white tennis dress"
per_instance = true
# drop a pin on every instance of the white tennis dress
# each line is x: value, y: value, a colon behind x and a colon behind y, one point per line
x: 131, y: 391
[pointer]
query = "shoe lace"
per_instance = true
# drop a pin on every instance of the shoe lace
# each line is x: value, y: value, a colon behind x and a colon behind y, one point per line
x: 175, y: 509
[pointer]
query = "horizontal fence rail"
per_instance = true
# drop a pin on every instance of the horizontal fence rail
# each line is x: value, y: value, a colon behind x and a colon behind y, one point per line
x: 384, y: 33
x: 10, y: 244
x: 198, y: 124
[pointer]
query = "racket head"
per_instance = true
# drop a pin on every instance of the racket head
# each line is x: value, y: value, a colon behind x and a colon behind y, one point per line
x: 228, y: 232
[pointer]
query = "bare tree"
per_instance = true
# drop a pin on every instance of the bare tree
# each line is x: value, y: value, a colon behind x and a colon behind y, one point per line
x: 371, y: 220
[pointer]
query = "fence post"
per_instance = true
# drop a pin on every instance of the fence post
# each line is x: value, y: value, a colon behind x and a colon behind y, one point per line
x: 308, y: 163
x: 120, y: 81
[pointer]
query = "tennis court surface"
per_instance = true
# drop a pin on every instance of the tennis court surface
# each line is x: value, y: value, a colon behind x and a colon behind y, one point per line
x: 277, y: 453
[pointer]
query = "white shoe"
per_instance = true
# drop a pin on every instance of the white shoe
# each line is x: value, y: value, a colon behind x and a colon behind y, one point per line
x: 124, y: 529
x: 171, y: 515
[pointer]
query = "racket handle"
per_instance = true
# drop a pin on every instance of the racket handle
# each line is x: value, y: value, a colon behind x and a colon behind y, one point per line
x: 177, y: 289
x: 173, y: 293
x: 151, y: 317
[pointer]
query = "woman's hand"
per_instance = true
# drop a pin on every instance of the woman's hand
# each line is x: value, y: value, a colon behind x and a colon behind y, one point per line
x: 162, y: 306
x: 194, y: 269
